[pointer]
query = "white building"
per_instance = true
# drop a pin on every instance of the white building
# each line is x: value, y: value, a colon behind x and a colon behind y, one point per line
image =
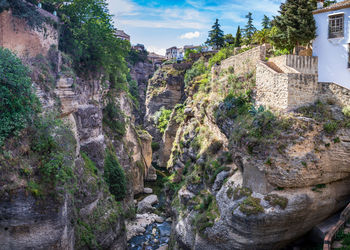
x: 171, y: 53
x: 332, y: 44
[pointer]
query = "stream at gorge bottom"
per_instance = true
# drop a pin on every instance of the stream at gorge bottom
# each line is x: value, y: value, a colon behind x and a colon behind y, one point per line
x: 155, y: 236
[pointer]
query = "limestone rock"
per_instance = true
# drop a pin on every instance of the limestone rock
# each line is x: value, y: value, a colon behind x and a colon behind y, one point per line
x: 146, y: 205
x: 148, y: 190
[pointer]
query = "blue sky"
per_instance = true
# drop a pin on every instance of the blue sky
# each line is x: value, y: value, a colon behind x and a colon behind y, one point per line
x: 160, y: 24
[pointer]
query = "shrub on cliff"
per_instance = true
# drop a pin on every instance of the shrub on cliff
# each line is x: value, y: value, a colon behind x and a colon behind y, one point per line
x: 162, y: 118
x: 115, y: 176
x: 197, y: 69
x: 18, y: 103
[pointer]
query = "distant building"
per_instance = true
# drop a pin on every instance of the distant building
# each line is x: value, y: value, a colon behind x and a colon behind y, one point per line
x: 139, y: 47
x: 171, y: 53
x: 180, y: 54
x: 122, y: 35
x: 332, y: 44
x: 156, y: 59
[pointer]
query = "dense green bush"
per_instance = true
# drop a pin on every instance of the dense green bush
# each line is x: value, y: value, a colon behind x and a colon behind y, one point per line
x: 197, y: 69
x: 23, y: 10
x: 162, y: 118
x: 113, y: 118
x: 55, y: 145
x: 346, y: 111
x: 221, y: 55
x: 115, y: 176
x: 136, y: 56
x: 18, y: 103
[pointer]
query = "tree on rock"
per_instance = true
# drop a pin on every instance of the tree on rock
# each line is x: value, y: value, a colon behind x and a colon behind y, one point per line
x: 266, y: 22
x: 115, y: 176
x: 249, y: 29
x: 216, y: 36
x: 238, y: 39
x: 296, y: 25
x: 229, y: 39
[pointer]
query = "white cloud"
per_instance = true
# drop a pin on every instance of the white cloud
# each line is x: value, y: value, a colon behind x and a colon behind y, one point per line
x: 157, y: 50
x: 122, y: 7
x: 190, y: 35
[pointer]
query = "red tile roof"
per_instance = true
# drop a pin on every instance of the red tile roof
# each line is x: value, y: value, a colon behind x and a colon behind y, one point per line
x: 336, y: 6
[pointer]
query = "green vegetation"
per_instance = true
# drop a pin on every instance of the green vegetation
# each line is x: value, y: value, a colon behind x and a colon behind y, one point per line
x: 276, y: 200
x: 162, y: 118
x: 318, y: 187
x: 266, y: 22
x: 155, y: 146
x: 136, y: 56
x: 18, y: 103
x: 238, y: 39
x: 216, y: 36
x: 55, y: 144
x: 330, y: 127
x: 346, y: 111
x: 251, y: 206
x: 221, y: 55
x: 323, y: 113
x: 197, y: 69
x: 114, y: 176
x: 23, y: 10
x: 295, y: 26
x: 208, y: 213
x: 179, y: 113
x: 238, y: 192
x: 249, y: 29
x: 114, y: 119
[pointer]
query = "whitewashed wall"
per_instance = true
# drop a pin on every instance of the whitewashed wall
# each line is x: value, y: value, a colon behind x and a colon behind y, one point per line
x: 332, y: 53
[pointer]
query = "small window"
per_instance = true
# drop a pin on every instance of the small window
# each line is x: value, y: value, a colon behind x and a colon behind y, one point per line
x: 336, y: 26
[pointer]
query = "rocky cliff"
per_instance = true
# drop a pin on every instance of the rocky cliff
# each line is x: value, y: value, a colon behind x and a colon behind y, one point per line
x: 54, y: 194
x: 165, y: 90
x: 244, y: 177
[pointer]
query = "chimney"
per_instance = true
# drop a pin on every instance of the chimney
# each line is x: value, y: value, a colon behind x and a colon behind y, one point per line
x: 320, y: 4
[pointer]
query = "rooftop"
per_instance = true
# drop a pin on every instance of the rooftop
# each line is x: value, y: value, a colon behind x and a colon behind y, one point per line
x: 336, y: 6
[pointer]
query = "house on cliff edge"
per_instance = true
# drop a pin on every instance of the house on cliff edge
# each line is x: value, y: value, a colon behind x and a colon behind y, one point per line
x: 332, y: 44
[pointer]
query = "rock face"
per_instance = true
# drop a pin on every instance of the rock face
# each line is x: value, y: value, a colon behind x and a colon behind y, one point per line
x: 141, y: 72
x: 165, y: 90
x: 241, y: 190
x: 82, y: 213
x: 146, y: 205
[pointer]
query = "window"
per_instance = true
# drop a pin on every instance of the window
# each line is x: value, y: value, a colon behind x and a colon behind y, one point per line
x: 336, y: 26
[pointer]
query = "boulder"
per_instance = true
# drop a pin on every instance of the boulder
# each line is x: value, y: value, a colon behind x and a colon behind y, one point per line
x: 146, y: 205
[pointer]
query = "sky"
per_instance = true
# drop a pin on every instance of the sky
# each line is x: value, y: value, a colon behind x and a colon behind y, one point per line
x: 161, y: 24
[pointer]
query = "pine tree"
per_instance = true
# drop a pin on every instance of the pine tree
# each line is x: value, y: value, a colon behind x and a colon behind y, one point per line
x: 296, y: 25
x: 249, y: 29
x: 229, y: 39
x: 216, y: 36
x: 266, y: 23
x: 238, y: 40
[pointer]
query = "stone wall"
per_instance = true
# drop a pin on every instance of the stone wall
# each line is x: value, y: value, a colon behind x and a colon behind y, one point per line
x: 17, y: 36
x: 302, y: 89
x: 331, y: 91
x: 246, y: 61
x: 272, y: 88
x: 284, y: 91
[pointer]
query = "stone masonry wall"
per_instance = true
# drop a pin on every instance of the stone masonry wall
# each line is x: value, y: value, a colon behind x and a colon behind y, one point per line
x: 302, y: 89
x: 272, y: 88
x: 332, y: 91
x: 17, y: 36
x: 246, y: 61
x: 284, y: 91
